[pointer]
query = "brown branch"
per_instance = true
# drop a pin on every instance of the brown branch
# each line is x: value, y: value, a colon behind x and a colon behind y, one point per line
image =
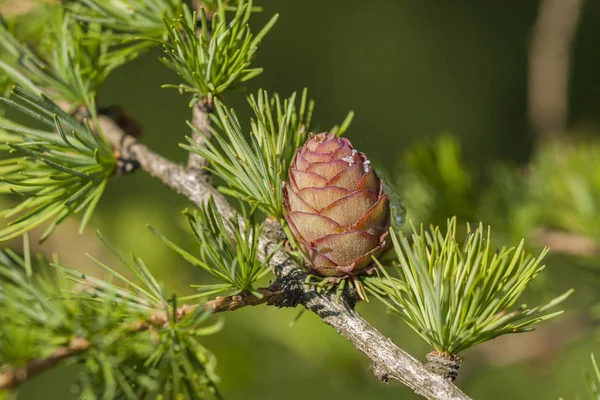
x: 201, y: 121
x: 13, y: 377
x: 567, y: 243
x: 20, y: 7
x: 270, y: 296
x: 549, y: 65
x: 273, y: 295
x: 389, y: 361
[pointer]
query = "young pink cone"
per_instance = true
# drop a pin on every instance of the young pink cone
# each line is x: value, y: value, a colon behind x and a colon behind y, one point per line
x: 335, y: 207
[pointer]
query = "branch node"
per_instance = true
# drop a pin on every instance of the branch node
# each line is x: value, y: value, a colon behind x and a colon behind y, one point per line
x: 350, y: 296
x: 125, y: 165
x: 444, y: 364
x: 380, y: 372
x: 206, y: 104
x: 291, y: 291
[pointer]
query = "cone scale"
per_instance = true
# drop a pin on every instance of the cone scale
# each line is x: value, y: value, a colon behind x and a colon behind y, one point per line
x: 335, y: 207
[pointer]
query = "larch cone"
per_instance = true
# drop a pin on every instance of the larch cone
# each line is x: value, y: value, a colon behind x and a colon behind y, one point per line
x: 335, y: 207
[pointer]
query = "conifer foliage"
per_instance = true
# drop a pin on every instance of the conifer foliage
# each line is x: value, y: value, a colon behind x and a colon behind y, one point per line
x: 132, y: 337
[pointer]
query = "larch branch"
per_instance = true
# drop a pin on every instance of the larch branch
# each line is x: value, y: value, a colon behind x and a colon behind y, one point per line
x: 201, y: 134
x: 550, y: 64
x: 189, y: 182
x: 566, y: 243
x: 389, y: 361
x: 12, y: 377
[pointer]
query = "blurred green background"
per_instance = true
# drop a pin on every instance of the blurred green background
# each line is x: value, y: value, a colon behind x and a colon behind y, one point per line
x: 411, y: 70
